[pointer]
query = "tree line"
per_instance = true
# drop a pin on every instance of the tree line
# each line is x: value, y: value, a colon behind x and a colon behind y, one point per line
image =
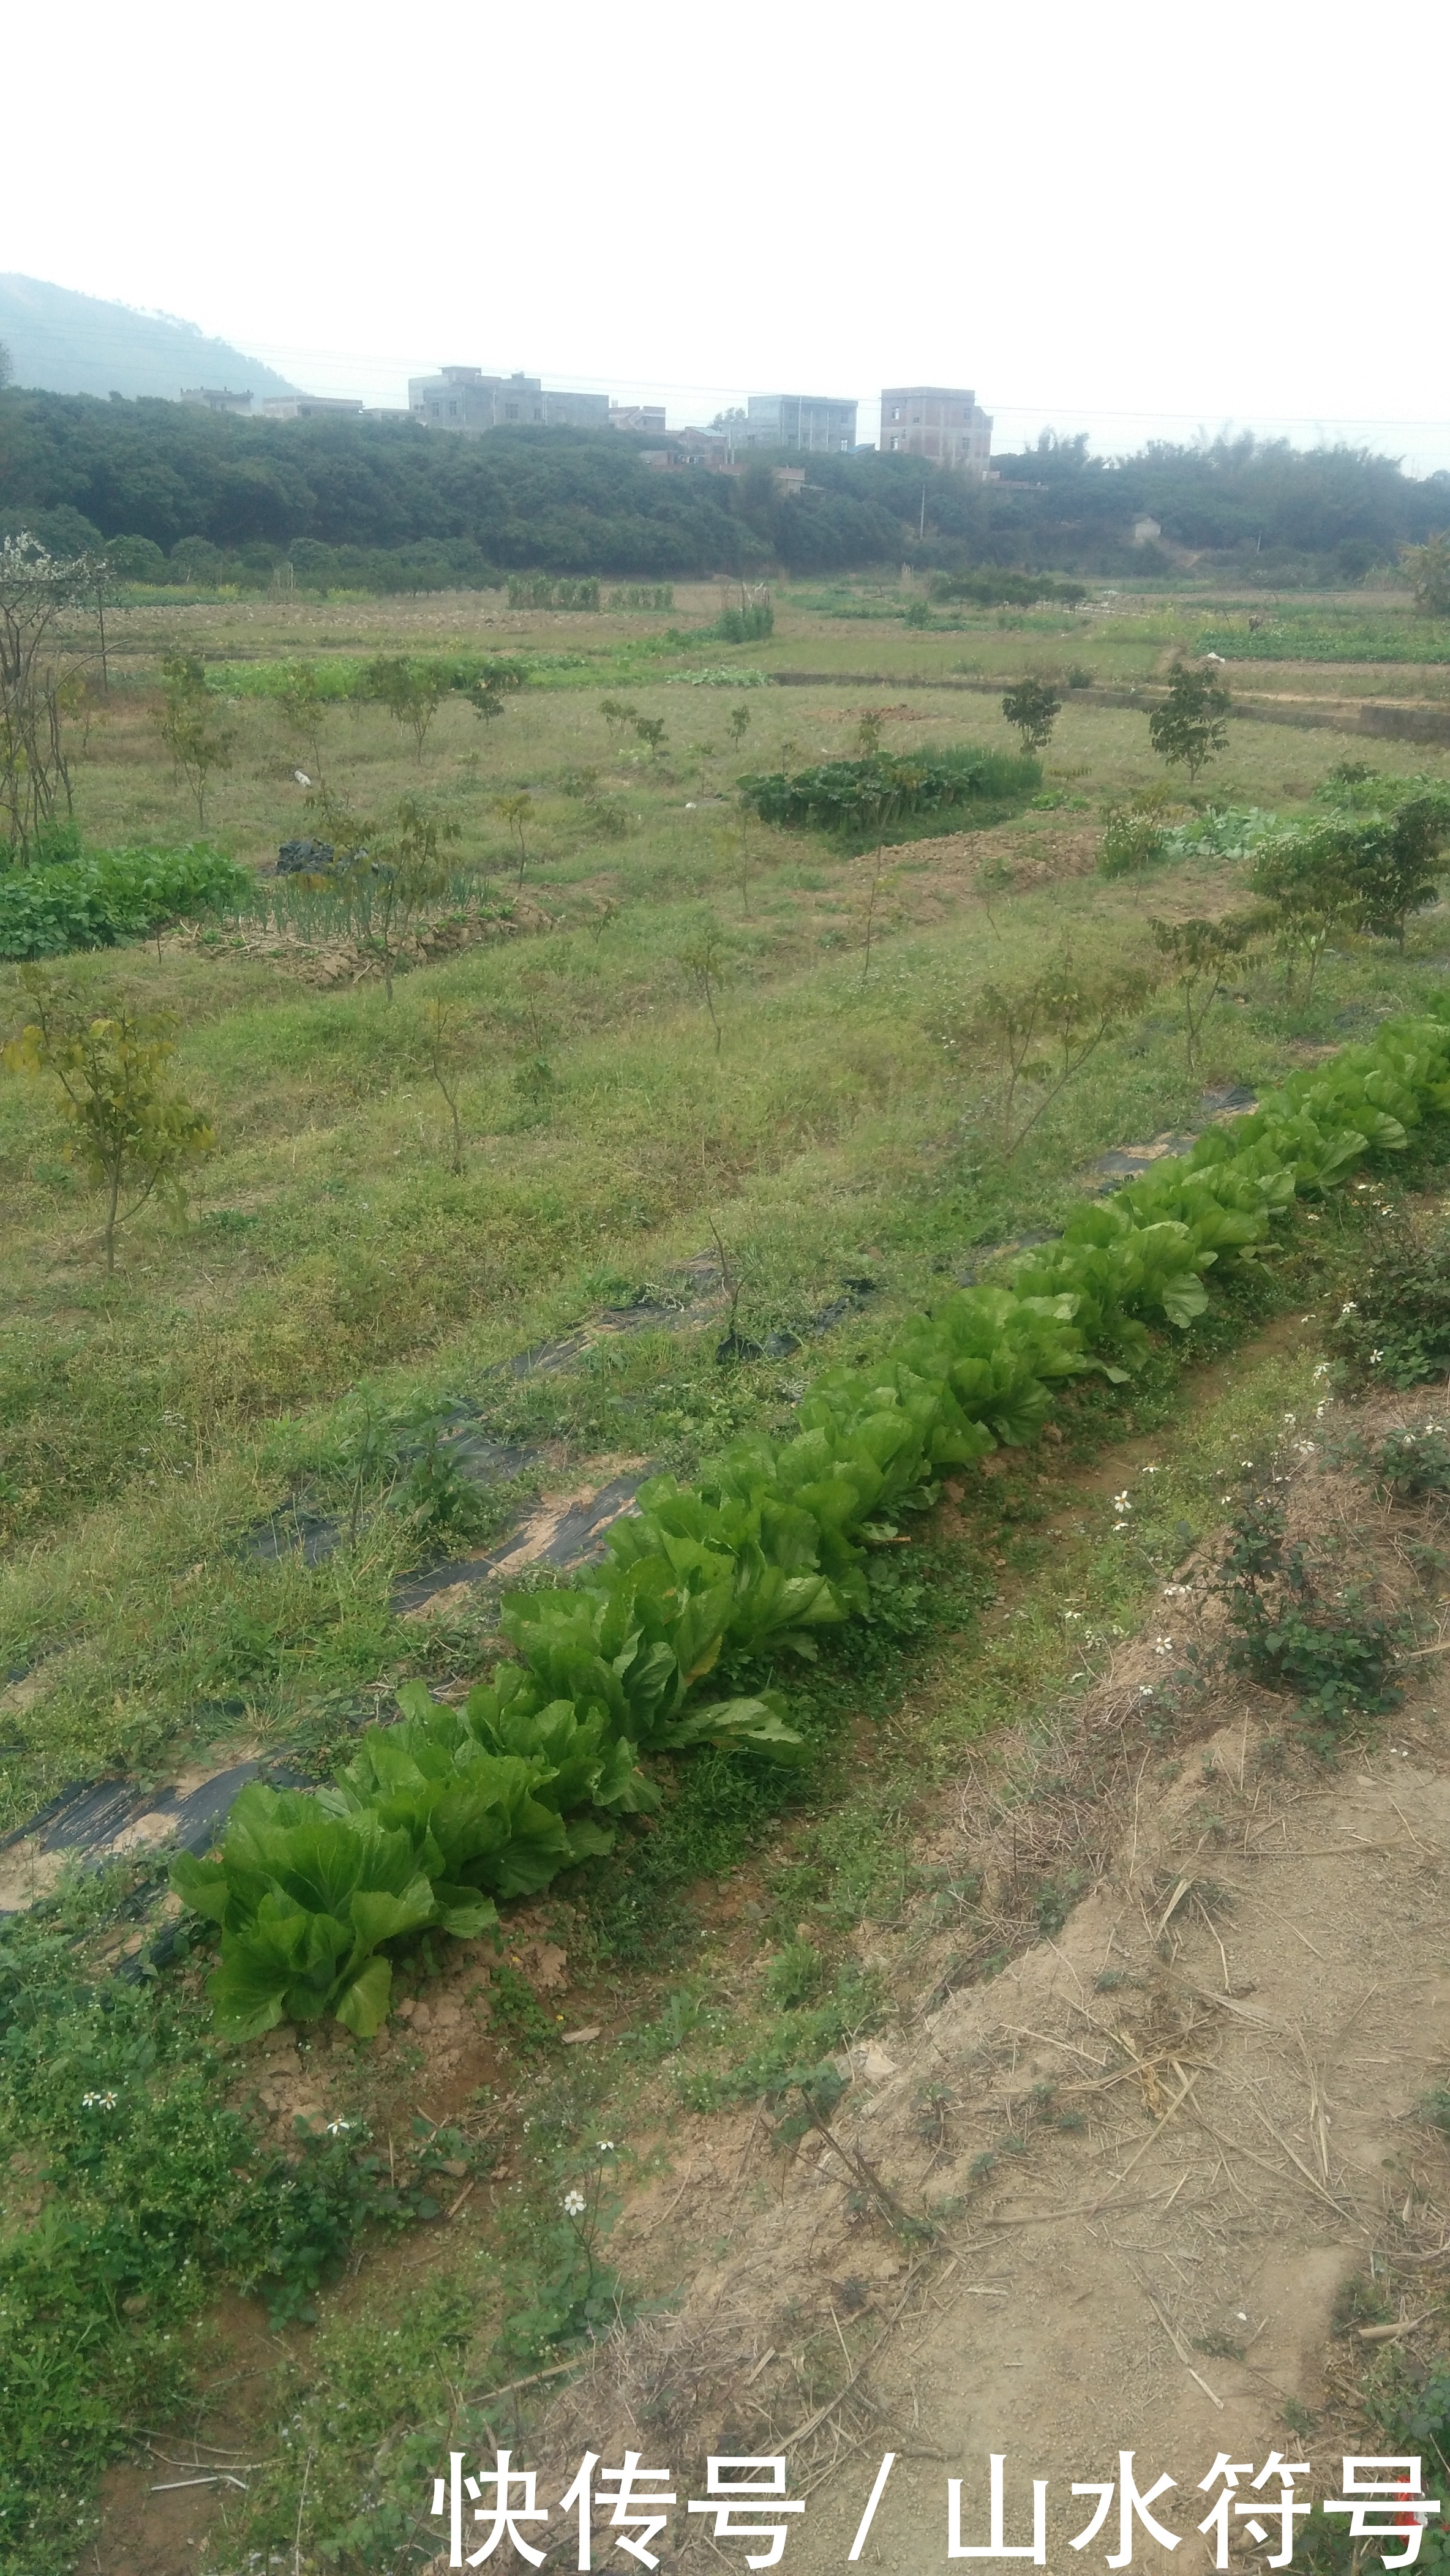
x: 178, y: 494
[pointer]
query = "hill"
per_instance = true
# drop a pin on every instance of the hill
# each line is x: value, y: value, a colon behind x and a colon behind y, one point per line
x: 64, y: 343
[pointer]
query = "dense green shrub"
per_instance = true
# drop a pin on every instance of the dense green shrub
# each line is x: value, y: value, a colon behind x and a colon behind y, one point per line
x: 1398, y: 1328
x: 1299, y: 1632
x: 856, y: 797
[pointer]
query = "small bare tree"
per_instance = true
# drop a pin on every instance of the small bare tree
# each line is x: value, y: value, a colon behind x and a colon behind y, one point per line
x: 196, y: 742
x: 34, y: 772
x: 1043, y: 1030
x: 1200, y: 954
x: 445, y: 1028
x: 707, y: 963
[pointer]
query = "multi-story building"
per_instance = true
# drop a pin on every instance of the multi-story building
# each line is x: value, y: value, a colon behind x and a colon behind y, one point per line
x: 941, y: 422
x: 817, y: 422
x: 648, y: 419
x: 469, y: 402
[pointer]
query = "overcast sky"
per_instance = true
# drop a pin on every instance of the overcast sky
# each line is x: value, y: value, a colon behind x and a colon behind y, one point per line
x: 1137, y: 220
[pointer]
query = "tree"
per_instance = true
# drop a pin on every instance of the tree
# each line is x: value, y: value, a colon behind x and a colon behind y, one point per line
x: 618, y: 714
x: 197, y: 744
x: 100, y: 581
x: 490, y: 686
x: 7, y: 366
x: 412, y: 692
x: 1191, y: 725
x: 34, y: 690
x: 303, y: 709
x: 707, y: 963
x: 408, y: 872
x: 1370, y: 869
x: 1395, y: 860
x: 651, y: 731
x: 1033, y: 707
x: 516, y: 812
x: 1044, y: 1029
x: 444, y: 1026
x: 1428, y: 567
x: 739, y: 723
x: 130, y: 1129
x: 1311, y: 884
x: 1200, y: 954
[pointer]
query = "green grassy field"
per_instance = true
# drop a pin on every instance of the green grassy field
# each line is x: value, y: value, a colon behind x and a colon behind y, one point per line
x: 332, y: 1269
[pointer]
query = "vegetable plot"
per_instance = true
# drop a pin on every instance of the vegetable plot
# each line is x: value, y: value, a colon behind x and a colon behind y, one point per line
x: 438, y: 1816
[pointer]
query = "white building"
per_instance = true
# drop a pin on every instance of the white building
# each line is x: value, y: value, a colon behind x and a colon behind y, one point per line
x: 468, y: 402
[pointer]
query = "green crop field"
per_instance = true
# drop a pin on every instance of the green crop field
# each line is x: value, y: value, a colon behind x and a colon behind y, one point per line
x: 581, y: 1040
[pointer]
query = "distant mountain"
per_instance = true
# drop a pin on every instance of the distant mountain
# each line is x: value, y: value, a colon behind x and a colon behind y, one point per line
x: 62, y: 343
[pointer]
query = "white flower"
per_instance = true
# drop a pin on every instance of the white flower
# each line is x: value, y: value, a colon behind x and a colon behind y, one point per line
x: 1145, y: 1690
x: 1305, y: 1448
x: 1119, y: 1526
x: 98, y: 2101
x: 1322, y: 1370
x: 1291, y: 1419
x: 605, y: 2146
x: 1072, y: 1614
x: 1150, y: 1471
x: 338, y: 2128
x: 575, y: 2204
x: 1225, y: 1498
x: 1162, y: 1645
x: 1375, y: 1358
x: 1350, y: 1307
x: 1175, y: 1591
x: 1122, y: 1503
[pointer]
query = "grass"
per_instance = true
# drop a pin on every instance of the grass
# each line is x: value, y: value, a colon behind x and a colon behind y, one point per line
x: 332, y: 1266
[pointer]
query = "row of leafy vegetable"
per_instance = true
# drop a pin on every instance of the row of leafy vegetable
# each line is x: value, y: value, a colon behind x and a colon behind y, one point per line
x: 443, y: 1814
x: 70, y: 898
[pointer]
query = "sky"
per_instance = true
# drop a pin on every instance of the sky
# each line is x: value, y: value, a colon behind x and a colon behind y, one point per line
x: 1130, y: 219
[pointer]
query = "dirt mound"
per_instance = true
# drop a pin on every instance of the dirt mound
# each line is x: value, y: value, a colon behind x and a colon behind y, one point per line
x: 330, y: 964
x: 1112, y: 2195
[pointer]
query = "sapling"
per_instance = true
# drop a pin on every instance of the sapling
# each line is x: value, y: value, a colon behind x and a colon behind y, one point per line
x: 739, y: 722
x: 651, y: 731
x: 707, y: 963
x: 516, y: 811
x: 196, y: 742
x: 1200, y: 954
x: 406, y: 872
x: 445, y: 1025
x: 303, y: 708
x: 130, y: 1129
x: 1044, y: 1030
x: 1033, y: 706
x: 1192, y: 723
x: 412, y: 692
x: 1309, y: 881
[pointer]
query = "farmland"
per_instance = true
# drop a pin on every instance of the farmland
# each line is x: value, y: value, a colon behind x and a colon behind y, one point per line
x: 695, y: 1105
